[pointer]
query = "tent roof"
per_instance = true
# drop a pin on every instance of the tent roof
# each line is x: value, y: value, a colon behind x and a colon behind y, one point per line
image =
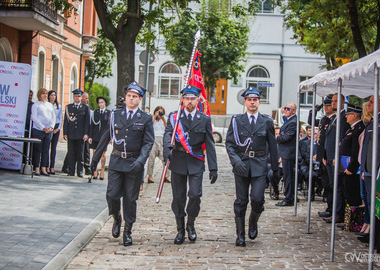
x: 357, y: 77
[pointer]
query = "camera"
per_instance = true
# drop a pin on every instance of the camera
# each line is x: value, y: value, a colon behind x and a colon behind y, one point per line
x: 318, y: 107
x: 160, y: 113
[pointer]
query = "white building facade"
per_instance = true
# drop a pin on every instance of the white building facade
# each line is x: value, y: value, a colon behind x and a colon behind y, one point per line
x: 273, y: 59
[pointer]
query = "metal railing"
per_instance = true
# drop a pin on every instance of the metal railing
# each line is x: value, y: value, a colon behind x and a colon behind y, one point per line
x: 44, y: 8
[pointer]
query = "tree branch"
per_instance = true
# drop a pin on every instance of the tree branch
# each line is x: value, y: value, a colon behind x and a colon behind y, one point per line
x: 103, y: 15
x: 377, y: 41
x: 355, y: 28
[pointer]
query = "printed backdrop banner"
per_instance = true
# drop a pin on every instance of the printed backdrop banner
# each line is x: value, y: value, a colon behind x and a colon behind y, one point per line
x: 14, y: 92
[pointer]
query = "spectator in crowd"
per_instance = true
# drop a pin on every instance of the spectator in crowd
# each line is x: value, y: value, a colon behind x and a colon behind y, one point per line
x: 366, y: 118
x: 52, y: 97
x: 86, y: 151
x: 287, y: 150
x: 75, y: 131
x: 330, y: 156
x: 305, y: 161
x: 348, y: 150
x: 366, y: 160
x: 27, y: 132
x: 99, y: 124
x: 273, y: 179
x: 43, y: 117
x: 159, y: 124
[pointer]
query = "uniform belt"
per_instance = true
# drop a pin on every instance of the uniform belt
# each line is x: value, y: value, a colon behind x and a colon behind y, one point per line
x: 182, y: 149
x: 125, y: 154
x: 253, y: 154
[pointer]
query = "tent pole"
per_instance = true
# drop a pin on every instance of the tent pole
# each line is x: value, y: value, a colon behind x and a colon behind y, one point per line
x: 297, y: 151
x: 311, y: 160
x: 336, y: 169
x: 374, y: 168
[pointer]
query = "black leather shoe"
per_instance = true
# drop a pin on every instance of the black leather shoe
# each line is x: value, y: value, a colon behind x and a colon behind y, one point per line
x: 116, y: 227
x: 337, y: 220
x: 127, y: 239
x: 240, y: 231
x: 45, y: 174
x: 361, y: 233
x: 324, y: 214
x: 180, y: 237
x: 87, y: 172
x: 80, y: 175
x: 274, y: 197
x: 191, y: 233
x: 70, y: 174
x: 364, y: 239
x: 252, y: 225
x: 285, y: 203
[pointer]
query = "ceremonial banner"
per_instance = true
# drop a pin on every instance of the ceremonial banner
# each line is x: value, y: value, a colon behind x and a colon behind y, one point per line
x: 14, y: 92
x: 196, y: 79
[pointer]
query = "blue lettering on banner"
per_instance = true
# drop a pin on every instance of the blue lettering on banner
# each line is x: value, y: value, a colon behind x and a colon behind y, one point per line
x: 5, y: 99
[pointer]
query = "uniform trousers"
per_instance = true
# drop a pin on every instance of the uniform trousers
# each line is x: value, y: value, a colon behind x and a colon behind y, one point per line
x: 86, y: 157
x: 256, y: 195
x: 75, y: 150
x: 368, y: 189
x: 288, y: 169
x: 340, y: 191
x: 124, y: 185
x: 179, y: 190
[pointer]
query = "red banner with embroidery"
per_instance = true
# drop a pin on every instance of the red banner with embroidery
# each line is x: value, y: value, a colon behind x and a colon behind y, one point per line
x: 196, y: 79
x: 181, y: 137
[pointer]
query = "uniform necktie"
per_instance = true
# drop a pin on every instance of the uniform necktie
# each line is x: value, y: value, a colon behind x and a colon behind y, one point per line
x: 129, y: 116
x: 252, y: 122
x: 189, y: 118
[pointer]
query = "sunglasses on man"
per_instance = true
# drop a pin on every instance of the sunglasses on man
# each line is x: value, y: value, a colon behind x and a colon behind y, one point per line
x: 287, y: 108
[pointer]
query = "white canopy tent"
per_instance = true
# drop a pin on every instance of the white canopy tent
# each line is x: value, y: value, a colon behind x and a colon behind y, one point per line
x: 359, y: 78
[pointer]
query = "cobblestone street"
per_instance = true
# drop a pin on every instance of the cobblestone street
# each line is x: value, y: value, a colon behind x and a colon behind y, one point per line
x: 282, y: 240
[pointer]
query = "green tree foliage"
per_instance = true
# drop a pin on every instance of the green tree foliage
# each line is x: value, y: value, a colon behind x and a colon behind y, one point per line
x: 97, y: 90
x: 334, y: 28
x: 101, y: 65
x: 224, y: 40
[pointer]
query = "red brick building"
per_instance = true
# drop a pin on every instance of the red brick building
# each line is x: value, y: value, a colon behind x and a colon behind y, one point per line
x: 55, y: 44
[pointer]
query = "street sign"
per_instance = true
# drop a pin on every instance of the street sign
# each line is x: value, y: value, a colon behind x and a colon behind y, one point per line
x: 142, y: 57
x: 264, y: 84
x: 239, y: 98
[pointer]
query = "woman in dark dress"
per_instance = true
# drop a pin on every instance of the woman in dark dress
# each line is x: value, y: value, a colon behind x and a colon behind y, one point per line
x: 99, y: 124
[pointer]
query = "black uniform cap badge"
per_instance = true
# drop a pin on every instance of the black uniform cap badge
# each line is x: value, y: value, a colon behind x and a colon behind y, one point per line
x: 138, y: 114
x: 198, y: 116
x: 122, y: 112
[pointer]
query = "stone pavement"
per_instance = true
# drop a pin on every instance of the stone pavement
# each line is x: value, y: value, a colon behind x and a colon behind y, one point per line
x: 41, y: 217
x: 282, y: 240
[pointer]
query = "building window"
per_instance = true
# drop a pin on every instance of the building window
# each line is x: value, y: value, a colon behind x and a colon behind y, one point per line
x: 306, y: 99
x: 5, y: 50
x: 41, y: 69
x: 169, y: 80
x: 257, y: 75
x: 73, y: 81
x: 264, y: 6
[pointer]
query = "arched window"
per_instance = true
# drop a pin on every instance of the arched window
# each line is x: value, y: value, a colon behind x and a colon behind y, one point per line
x: 264, y: 6
x: 257, y: 77
x: 169, y: 80
x: 73, y: 81
x: 5, y: 50
x: 41, y: 69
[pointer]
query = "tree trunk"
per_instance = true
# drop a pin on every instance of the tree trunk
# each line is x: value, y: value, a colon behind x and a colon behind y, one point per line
x: 355, y: 28
x: 125, y: 50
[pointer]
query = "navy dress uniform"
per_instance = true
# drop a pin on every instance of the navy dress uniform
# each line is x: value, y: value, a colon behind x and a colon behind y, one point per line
x: 76, y: 125
x: 188, y: 167
x: 248, y: 143
x: 349, y: 147
x: 99, y: 124
x: 131, y: 133
x: 330, y: 155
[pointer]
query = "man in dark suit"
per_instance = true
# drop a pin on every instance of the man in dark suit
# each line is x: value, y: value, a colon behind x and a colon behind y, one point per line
x: 330, y: 156
x: 250, y: 137
x: 132, y: 135
x: 75, y: 131
x: 187, y: 160
x: 349, y: 148
x: 287, y: 151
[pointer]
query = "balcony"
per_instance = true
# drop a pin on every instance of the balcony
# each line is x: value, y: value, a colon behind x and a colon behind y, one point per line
x: 35, y: 15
